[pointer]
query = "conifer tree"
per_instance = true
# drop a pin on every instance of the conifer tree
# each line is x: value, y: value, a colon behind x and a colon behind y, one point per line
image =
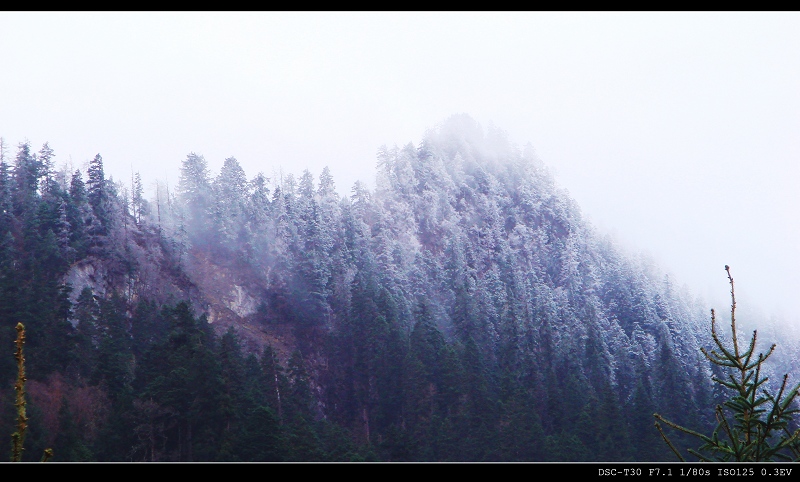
x: 78, y: 214
x: 96, y: 190
x: 6, y: 210
x: 276, y: 383
x: 137, y: 198
x: 46, y: 155
x: 759, y: 428
x: 26, y: 172
x: 230, y: 197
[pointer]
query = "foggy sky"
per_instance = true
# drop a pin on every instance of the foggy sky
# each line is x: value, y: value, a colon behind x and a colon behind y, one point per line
x: 677, y: 133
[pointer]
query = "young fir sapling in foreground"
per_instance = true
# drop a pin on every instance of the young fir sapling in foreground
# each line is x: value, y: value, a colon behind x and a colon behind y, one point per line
x: 759, y: 430
x: 18, y: 437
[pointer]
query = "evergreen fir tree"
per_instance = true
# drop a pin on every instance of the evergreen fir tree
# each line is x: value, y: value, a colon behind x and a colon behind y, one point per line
x: 759, y: 428
x: 97, y: 194
x: 48, y: 184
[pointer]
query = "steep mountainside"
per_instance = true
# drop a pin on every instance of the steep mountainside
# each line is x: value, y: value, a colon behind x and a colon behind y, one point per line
x: 462, y: 310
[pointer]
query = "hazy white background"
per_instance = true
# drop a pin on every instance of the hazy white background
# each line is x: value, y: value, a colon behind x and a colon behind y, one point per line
x: 677, y: 133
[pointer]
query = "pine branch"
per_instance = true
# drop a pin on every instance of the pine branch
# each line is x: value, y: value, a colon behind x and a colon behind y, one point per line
x: 669, y: 444
x: 47, y: 455
x: 733, y: 311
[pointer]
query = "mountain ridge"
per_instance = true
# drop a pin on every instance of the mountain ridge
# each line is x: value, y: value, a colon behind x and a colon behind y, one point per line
x: 462, y: 300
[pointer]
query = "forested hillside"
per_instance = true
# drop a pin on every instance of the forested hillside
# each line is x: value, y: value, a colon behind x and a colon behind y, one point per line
x: 461, y: 310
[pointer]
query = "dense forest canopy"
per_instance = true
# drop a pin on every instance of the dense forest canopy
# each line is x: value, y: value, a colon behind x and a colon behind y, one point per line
x: 461, y: 310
